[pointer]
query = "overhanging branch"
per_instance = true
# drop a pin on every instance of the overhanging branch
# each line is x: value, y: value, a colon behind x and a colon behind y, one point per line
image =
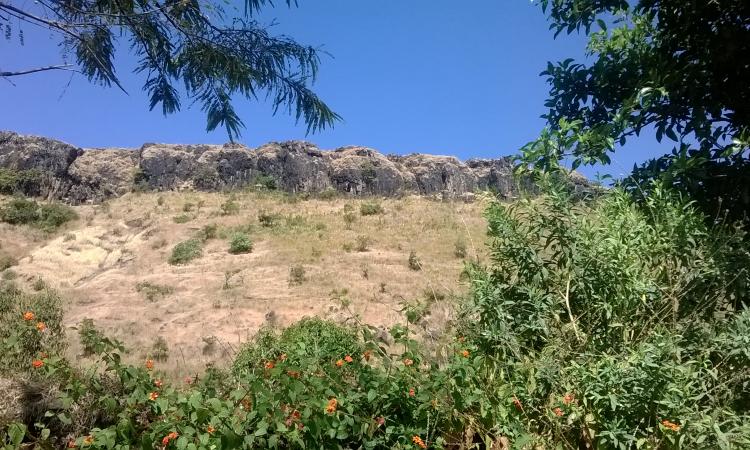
x: 38, y: 69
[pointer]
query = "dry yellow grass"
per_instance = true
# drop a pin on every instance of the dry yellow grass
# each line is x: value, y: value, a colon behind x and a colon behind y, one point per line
x: 219, y: 300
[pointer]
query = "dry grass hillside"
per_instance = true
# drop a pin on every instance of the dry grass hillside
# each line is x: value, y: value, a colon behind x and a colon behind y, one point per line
x: 309, y: 257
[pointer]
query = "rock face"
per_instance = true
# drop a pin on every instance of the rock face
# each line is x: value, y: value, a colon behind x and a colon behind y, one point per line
x: 91, y: 175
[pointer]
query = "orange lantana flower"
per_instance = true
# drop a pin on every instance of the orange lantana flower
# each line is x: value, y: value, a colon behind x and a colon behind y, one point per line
x: 171, y: 436
x: 465, y: 353
x: 411, y: 392
x: 71, y: 444
x: 408, y: 362
x: 569, y: 398
x: 418, y: 440
x: 41, y: 326
x: 88, y: 440
x: 37, y: 363
x: 348, y: 359
x: 210, y: 429
x: 149, y: 364
x: 558, y: 412
x: 339, y: 363
x: 158, y: 383
x: 28, y: 316
x: 671, y: 425
x: 270, y: 365
x: 332, y: 405
x: 153, y: 396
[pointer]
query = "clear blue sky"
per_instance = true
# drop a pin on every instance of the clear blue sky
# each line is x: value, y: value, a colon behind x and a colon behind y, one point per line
x: 432, y: 76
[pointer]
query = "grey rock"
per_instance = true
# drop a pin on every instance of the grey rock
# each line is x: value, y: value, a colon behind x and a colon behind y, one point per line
x: 92, y: 175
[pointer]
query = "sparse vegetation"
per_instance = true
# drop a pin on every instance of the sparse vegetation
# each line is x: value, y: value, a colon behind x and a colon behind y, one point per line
x: 459, y: 249
x: 230, y: 207
x: 362, y: 243
x: 153, y: 291
x: 182, y: 218
x: 7, y: 261
x: 240, y: 243
x: 160, y: 349
x: 414, y: 261
x: 209, y: 232
x: 371, y: 209
x: 297, y: 275
x: 186, y: 251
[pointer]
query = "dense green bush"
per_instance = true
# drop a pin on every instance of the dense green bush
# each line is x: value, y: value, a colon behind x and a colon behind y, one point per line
x: 610, y: 321
x: 240, y: 243
x: 46, y: 216
x: 186, y: 251
x: 20, y: 181
x: 371, y: 209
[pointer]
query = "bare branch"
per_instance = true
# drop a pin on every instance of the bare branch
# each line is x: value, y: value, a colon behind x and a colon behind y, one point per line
x: 39, y: 69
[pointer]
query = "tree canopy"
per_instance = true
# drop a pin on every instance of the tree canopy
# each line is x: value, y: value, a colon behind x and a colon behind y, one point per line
x: 185, y: 48
x: 678, y: 68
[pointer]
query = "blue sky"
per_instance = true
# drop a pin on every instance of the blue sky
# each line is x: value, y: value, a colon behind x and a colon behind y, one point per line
x: 432, y: 76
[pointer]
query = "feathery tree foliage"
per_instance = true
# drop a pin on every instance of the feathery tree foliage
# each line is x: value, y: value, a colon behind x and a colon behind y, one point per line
x: 676, y: 67
x: 189, y: 43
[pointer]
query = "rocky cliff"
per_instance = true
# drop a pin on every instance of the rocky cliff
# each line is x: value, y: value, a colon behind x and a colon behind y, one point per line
x: 79, y: 175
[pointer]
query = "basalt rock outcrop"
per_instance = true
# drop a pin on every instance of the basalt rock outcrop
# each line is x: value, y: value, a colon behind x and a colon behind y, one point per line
x: 79, y: 175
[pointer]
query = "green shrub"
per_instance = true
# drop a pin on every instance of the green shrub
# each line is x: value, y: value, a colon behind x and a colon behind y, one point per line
x: 240, y: 243
x: 93, y: 341
x: 186, y: 251
x: 182, y: 218
x: 266, y: 182
x: 48, y: 216
x: 153, y: 291
x: 371, y: 209
x: 268, y: 219
x: 362, y: 243
x: 20, y: 181
x: 611, y: 316
x: 20, y: 211
x: 160, y: 349
x: 310, y: 342
x: 230, y: 207
x: 209, y: 232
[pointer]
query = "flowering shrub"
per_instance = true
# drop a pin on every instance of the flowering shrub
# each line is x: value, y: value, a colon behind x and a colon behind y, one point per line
x: 595, y: 326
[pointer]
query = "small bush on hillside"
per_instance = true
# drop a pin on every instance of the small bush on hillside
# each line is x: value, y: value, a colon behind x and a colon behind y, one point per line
x: 240, y: 243
x: 93, y: 341
x: 362, y: 243
x: 7, y: 261
x: 208, y: 232
x: 230, y: 207
x: 328, y: 194
x: 160, y: 349
x: 414, y: 262
x: 186, y: 251
x: 182, y: 218
x: 20, y: 181
x: 153, y: 291
x: 266, y: 182
x: 188, y: 207
x: 9, y: 275
x: 48, y: 216
x: 307, y: 343
x: 349, y: 219
x: 371, y: 209
x: 268, y: 220
x: 296, y: 275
